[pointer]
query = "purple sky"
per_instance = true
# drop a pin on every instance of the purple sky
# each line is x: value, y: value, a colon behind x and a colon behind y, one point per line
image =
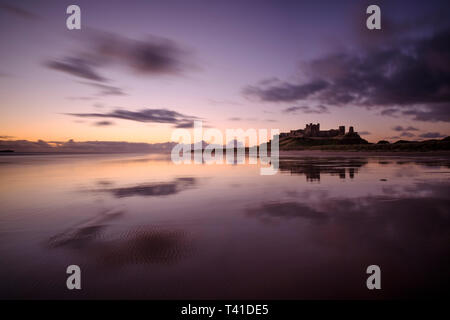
x: 139, y: 69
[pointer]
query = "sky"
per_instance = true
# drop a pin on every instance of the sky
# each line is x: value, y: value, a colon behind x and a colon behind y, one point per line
x: 137, y: 70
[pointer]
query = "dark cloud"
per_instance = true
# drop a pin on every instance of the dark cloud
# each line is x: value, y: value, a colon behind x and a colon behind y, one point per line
x: 400, y: 128
x: 364, y: 133
x: 77, y: 67
x: 407, y: 134
x: 185, y: 125
x: 6, y: 137
x: 103, y: 123
x: 305, y: 109
x: 144, y: 115
x: 410, y: 77
x: 17, y: 11
x: 391, y: 112
x: 405, y: 131
x: 153, y: 56
x: 433, y: 113
x: 432, y: 135
x: 284, y: 91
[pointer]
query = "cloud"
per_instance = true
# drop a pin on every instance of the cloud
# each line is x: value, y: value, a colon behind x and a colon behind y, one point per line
x: 241, y: 119
x: 17, y: 11
x: 144, y: 115
x: 405, y: 131
x: 153, y: 56
x: 6, y: 137
x: 103, y: 123
x: 77, y: 67
x: 80, y: 98
x: 72, y: 146
x: 364, y: 133
x: 224, y: 102
x: 409, y: 77
x: 106, y: 90
x: 432, y: 135
x: 400, y: 128
x: 407, y: 134
x: 305, y: 109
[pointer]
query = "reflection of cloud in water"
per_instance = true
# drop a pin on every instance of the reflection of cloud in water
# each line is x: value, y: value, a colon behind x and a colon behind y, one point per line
x: 148, y: 158
x: 85, y: 232
x: 153, y: 189
x: 426, y: 162
x: 407, y: 235
x: 286, y: 210
x: 402, y: 219
x: 312, y: 168
x: 105, y: 183
x: 143, y: 245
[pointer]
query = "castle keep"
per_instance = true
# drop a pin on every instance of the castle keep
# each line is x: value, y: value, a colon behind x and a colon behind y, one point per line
x: 313, y: 131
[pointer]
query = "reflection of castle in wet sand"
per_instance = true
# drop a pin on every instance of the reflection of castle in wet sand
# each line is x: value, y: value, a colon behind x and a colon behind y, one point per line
x: 313, y: 168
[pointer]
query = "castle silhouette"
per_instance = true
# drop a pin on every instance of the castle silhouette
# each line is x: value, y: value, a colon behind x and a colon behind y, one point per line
x: 313, y: 131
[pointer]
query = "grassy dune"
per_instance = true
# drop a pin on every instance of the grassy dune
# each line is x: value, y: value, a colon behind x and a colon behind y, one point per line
x: 402, y: 145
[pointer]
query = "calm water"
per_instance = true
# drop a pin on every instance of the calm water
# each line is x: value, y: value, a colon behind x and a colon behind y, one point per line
x: 141, y: 227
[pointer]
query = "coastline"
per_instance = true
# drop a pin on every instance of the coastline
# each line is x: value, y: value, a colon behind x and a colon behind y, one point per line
x: 376, y: 153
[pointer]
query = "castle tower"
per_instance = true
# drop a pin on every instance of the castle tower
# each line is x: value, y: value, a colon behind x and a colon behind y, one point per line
x: 313, y: 130
x: 350, y: 130
x: 341, y: 130
x: 308, y: 130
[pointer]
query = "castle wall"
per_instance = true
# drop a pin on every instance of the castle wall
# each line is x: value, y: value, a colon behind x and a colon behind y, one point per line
x: 329, y: 133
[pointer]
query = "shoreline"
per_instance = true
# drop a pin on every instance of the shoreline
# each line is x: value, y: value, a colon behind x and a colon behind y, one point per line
x: 282, y: 153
